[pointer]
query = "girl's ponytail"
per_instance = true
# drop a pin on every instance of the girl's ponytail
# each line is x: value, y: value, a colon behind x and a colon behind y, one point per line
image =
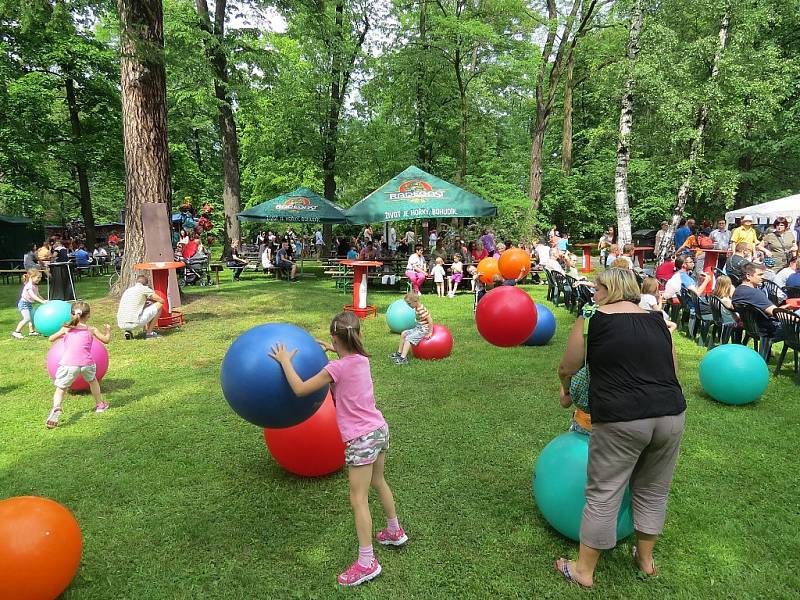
x: 347, y: 329
x: 80, y: 312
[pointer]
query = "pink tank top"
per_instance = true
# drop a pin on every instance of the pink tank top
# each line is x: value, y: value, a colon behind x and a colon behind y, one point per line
x: 77, y: 348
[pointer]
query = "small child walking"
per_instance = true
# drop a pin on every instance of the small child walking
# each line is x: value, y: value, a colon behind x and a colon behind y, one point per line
x: 29, y: 295
x: 438, y: 276
x: 364, y: 431
x: 77, y: 359
x: 457, y: 270
x: 411, y: 337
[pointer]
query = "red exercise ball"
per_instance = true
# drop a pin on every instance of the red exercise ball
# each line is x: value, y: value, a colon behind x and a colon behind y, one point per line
x: 311, y: 448
x: 439, y: 345
x: 40, y: 548
x: 506, y: 316
x: 514, y: 263
x: 488, y: 269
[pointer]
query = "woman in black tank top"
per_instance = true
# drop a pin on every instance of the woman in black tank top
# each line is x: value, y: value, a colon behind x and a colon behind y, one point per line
x: 637, y: 410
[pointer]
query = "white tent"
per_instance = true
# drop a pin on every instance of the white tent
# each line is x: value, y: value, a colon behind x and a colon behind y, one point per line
x: 767, y: 212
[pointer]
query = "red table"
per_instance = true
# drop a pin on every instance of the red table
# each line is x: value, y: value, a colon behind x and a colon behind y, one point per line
x: 711, y: 258
x: 792, y: 304
x: 168, y: 319
x: 359, y: 306
x: 638, y: 253
x: 587, y: 257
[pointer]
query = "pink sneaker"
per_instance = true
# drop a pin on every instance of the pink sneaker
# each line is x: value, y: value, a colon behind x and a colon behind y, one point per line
x: 387, y: 538
x: 102, y: 407
x: 357, y: 574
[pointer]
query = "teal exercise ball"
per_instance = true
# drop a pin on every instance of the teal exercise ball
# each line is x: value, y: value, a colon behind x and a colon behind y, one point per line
x: 51, y: 316
x: 559, y: 481
x: 400, y: 316
x: 734, y: 374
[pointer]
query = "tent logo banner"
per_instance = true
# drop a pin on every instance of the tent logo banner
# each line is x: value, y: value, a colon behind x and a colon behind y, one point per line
x: 415, y: 190
x: 297, y: 203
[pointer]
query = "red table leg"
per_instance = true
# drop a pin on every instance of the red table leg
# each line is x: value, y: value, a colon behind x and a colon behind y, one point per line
x: 587, y: 259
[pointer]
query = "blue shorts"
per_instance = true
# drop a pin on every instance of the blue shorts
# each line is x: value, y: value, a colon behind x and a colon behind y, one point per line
x: 24, y: 305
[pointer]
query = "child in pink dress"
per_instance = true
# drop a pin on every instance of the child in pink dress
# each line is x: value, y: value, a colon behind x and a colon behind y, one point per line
x: 364, y: 432
x: 77, y: 360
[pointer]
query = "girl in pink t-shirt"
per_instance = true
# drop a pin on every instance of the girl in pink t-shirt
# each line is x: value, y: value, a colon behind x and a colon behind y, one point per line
x: 77, y: 359
x: 363, y: 430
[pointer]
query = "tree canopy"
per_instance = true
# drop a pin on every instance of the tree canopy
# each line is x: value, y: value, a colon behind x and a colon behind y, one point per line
x: 350, y: 92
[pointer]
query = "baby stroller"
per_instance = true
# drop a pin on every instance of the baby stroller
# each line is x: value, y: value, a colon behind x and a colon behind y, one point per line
x: 195, y: 272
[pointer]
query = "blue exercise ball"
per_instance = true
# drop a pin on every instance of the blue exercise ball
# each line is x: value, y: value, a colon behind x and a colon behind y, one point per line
x: 400, y: 316
x: 545, y: 327
x: 734, y: 374
x: 559, y: 481
x: 51, y: 316
x: 254, y: 384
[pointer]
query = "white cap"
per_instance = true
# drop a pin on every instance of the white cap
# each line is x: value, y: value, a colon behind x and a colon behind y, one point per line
x: 747, y: 218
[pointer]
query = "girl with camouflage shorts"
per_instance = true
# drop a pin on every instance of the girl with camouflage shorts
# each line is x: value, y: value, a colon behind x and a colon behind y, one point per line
x: 364, y: 432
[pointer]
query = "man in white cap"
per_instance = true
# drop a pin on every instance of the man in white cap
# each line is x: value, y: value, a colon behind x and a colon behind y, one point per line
x: 745, y: 233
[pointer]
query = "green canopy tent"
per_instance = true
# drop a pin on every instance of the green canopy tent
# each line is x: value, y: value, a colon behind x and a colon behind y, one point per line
x: 299, y: 206
x: 415, y: 194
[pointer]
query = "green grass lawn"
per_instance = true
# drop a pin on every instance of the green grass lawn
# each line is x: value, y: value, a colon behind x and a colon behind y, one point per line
x: 177, y: 497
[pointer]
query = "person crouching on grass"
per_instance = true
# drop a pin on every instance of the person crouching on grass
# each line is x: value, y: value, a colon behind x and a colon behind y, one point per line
x: 411, y: 337
x: 77, y: 359
x: 364, y: 431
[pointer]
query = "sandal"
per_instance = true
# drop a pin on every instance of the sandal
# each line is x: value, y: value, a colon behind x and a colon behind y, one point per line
x: 102, y: 407
x: 562, y: 566
x: 52, y: 418
x: 635, y: 556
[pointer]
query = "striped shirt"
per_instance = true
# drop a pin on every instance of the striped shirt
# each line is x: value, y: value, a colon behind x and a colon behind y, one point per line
x: 423, y: 316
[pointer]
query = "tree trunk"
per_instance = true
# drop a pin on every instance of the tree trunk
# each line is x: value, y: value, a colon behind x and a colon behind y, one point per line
x: 80, y: 165
x: 625, y: 125
x: 144, y: 123
x: 696, y: 143
x: 422, y: 100
x: 566, y: 135
x: 537, y: 145
x: 547, y: 84
x: 462, y: 129
x: 330, y: 139
x: 198, y: 156
x: 231, y: 194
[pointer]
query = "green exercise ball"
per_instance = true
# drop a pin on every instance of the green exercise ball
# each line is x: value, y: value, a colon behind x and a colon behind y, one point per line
x: 734, y: 374
x: 400, y: 316
x: 51, y: 316
x: 559, y: 481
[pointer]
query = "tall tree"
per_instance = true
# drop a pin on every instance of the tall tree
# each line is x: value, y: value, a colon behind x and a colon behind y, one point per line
x: 144, y: 123
x: 696, y: 142
x: 423, y: 149
x: 215, y: 49
x: 561, y: 39
x: 625, y: 125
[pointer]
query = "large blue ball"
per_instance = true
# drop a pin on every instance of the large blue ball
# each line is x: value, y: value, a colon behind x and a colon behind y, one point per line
x: 400, y: 316
x: 51, y: 316
x: 559, y: 481
x: 734, y: 374
x: 545, y: 327
x: 254, y: 384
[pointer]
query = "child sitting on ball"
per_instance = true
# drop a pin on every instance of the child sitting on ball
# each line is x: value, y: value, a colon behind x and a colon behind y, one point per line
x: 411, y: 337
x: 364, y: 431
x: 77, y: 359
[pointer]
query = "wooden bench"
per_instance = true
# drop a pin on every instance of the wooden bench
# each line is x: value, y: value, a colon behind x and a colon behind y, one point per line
x: 7, y: 274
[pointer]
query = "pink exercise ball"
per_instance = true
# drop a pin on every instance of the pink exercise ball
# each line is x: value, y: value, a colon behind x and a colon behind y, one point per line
x: 99, y: 354
x: 439, y: 345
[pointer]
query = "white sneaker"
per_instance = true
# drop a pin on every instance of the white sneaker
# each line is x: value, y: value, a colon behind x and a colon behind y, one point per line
x: 17, y: 335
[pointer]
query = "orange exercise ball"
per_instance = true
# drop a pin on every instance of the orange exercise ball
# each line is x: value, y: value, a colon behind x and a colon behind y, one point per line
x: 488, y: 269
x: 40, y: 548
x: 514, y: 261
